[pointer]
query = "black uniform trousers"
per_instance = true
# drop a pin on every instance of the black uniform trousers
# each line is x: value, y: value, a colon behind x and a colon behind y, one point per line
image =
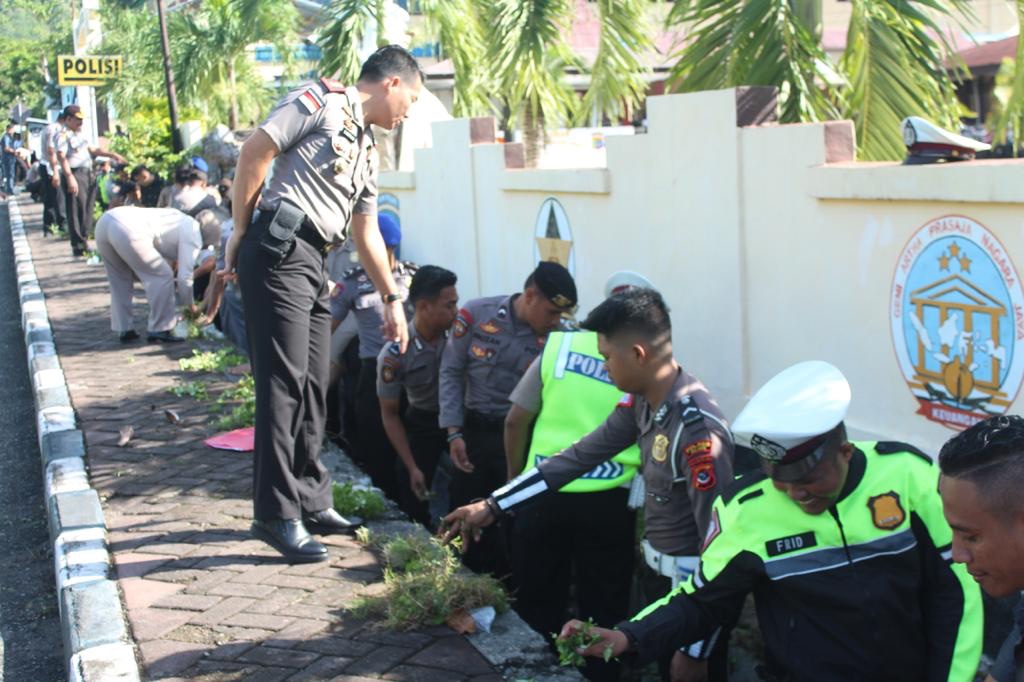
x: 79, y: 208
x: 55, y: 208
x: 375, y: 449
x: 427, y: 441
x: 485, y: 445
x: 586, y: 536
x: 288, y: 323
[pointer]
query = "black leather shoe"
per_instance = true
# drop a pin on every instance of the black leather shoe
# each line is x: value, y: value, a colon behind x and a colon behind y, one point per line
x: 291, y: 539
x: 163, y: 337
x: 129, y: 336
x: 328, y: 521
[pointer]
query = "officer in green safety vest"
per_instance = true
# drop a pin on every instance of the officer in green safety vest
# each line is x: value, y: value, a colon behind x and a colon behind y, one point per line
x: 565, y: 394
x: 685, y: 445
x: 843, y: 545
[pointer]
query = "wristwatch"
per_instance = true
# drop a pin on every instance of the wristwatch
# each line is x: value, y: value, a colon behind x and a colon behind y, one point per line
x: 391, y: 298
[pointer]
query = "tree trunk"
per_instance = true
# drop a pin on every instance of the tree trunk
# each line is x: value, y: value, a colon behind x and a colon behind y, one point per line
x: 233, y: 94
x: 533, y: 137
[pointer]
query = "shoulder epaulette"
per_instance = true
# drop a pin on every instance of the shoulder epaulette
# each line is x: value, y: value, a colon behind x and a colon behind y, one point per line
x: 893, y: 447
x: 744, y: 482
x: 331, y: 85
x: 352, y: 272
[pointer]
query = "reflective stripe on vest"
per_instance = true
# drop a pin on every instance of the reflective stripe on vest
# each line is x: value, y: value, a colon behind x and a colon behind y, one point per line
x: 577, y: 397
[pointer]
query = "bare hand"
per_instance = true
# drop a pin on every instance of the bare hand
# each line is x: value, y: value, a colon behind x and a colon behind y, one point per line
x: 55, y: 180
x: 467, y: 521
x: 686, y: 669
x: 395, y: 327
x: 615, y: 639
x: 72, y: 185
x: 457, y: 450
x: 418, y: 484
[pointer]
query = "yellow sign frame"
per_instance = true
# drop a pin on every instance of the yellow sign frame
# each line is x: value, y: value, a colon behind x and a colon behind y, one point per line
x: 88, y: 70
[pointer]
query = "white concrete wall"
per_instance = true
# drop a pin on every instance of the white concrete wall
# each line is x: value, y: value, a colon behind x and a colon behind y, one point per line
x: 766, y: 253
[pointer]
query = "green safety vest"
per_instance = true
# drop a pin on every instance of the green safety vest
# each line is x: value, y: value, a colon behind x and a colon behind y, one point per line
x: 577, y: 397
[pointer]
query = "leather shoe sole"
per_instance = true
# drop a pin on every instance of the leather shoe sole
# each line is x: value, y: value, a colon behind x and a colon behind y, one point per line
x: 261, y: 532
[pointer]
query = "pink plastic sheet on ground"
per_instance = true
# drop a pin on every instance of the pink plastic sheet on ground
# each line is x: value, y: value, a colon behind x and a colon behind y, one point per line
x: 239, y: 440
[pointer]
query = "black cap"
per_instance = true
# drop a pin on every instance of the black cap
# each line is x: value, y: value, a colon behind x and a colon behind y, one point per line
x: 555, y: 282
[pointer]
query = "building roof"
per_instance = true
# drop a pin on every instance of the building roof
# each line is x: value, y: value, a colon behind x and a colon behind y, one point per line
x: 989, y: 54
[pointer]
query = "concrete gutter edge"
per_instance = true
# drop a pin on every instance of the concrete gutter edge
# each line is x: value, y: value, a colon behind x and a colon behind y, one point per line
x: 97, y: 643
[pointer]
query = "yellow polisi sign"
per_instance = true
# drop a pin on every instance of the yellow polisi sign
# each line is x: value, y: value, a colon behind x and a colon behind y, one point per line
x: 92, y: 70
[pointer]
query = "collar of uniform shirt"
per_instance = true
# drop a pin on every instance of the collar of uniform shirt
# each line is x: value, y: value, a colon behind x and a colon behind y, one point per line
x: 356, y: 102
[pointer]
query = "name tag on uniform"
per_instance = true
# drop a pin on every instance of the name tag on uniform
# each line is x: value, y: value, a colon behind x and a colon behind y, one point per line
x: 791, y: 543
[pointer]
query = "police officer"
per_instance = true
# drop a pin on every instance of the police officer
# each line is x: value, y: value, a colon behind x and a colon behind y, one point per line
x: 416, y: 436
x: 140, y: 243
x: 587, y: 528
x: 356, y: 294
x: 75, y: 156
x: 685, y: 445
x: 54, y: 206
x: 492, y: 343
x: 842, y: 544
x: 982, y: 477
x: 325, y: 174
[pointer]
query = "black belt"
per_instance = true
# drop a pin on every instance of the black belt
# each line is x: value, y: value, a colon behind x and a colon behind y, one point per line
x: 309, y: 234
x: 485, y: 422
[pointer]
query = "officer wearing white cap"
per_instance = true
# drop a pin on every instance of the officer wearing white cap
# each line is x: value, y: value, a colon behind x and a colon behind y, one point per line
x: 843, y: 545
x: 324, y: 180
x: 356, y: 295
x: 685, y: 445
x: 492, y: 342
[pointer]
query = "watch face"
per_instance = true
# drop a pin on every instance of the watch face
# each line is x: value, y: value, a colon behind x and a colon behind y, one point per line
x: 909, y: 134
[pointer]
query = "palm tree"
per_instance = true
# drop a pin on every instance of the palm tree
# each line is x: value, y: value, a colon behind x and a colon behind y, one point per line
x: 1009, y: 121
x: 893, y: 65
x: 212, y: 61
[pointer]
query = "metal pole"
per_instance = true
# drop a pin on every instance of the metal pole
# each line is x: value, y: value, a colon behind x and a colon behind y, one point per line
x: 172, y: 97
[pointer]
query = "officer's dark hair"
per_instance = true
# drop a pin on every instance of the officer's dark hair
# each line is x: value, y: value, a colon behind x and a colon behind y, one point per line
x: 637, y: 311
x: 388, y: 61
x: 138, y: 169
x: 990, y: 455
x: 429, y: 281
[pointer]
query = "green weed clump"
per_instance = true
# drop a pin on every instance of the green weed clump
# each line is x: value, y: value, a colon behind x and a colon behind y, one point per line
x: 193, y: 389
x: 569, y: 648
x: 352, y: 501
x: 424, y: 586
x: 220, y: 360
x: 242, y: 398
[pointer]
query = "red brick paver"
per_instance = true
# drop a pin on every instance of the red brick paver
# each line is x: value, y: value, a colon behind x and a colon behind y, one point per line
x: 203, y: 599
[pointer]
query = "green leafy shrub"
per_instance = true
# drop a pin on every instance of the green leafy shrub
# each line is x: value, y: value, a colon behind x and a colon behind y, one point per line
x: 351, y: 501
x: 424, y: 585
x: 193, y: 389
x: 242, y: 396
x: 219, y: 360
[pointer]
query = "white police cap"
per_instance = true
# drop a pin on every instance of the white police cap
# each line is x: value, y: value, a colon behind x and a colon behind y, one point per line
x: 786, y: 422
x: 623, y: 280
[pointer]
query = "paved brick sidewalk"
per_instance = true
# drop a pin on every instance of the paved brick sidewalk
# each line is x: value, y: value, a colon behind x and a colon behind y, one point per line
x: 203, y: 599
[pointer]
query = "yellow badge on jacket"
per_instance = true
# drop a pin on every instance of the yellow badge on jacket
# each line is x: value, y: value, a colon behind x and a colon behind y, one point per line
x: 660, y: 450
x: 886, y: 511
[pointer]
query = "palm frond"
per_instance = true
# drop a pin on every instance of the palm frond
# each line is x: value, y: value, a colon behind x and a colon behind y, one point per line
x: 528, y: 54
x: 757, y: 42
x: 617, y: 77
x: 460, y: 32
x: 895, y: 62
x: 347, y: 24
x: 1010, y: 119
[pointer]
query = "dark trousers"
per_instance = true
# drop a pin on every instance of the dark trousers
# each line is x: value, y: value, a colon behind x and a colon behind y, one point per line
x: 485, y: 446
x: 586, y: 536
x: 375, y: 450
x: 54, y: 205
x: 79, y: 209
x: 427, y: 441
x: 288, y: 325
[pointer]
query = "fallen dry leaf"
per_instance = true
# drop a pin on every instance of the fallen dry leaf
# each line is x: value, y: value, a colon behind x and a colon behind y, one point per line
x: 460, y: 621
x: 126, y: 435
x: 172, y: 416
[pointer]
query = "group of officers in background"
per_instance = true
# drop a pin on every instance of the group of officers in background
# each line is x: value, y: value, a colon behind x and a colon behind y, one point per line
x: 551, y: 438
